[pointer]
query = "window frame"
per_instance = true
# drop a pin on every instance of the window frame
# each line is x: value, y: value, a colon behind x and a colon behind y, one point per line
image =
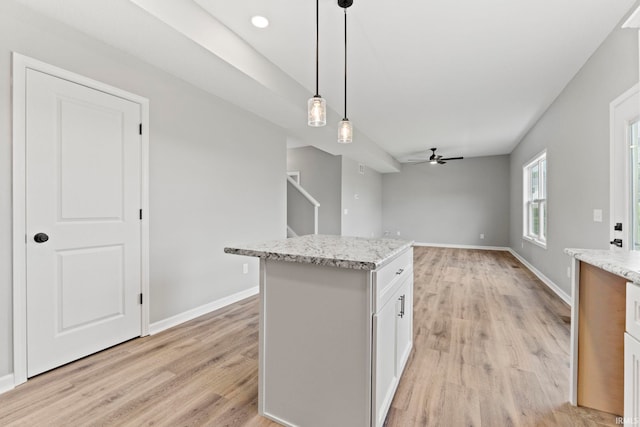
x: 541, y: 201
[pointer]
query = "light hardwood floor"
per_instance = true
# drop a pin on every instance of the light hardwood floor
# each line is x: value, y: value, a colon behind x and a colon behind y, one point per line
x: 491, y: 348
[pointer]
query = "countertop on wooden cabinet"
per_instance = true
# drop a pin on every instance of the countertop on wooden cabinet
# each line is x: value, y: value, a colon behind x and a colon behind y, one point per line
x: 621, y: 263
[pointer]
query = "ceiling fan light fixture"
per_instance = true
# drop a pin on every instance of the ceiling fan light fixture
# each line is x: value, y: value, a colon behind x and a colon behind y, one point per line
x: 345, y: 132
x: 433, y: 159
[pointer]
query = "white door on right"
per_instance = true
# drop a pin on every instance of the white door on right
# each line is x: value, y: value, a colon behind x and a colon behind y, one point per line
x: 624, y: 165
x: 83, y: 195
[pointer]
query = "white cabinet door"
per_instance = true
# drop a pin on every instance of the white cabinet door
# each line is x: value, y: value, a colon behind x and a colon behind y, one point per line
x: 393, y: 340
x: 386, y: 379
x: 632, y: 325
x: 404, y: 325
x: 631, y: 379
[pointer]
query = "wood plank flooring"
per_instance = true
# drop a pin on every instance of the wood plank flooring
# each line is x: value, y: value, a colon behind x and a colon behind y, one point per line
x: 491, y: 348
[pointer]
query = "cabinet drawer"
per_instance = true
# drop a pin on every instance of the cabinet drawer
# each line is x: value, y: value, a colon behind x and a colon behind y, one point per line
x: 633, y: 310
x: 390, y: 276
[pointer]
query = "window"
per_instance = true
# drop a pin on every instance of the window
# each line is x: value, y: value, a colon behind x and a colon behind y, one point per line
x: 534, y: 224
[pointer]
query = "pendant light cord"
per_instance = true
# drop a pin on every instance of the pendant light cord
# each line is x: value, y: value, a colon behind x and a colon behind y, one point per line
x: 345, y: 63
x: 317, y: 42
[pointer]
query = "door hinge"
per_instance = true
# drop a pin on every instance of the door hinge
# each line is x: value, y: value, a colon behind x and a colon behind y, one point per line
x: 140, y: 213
x: 140, y: 129
x: 140, y: 299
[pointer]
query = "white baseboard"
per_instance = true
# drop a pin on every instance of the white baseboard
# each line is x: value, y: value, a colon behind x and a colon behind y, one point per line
x: 172, y: 321
x: 555, y: 288
x: 6, y: 383
x: 447, y: 245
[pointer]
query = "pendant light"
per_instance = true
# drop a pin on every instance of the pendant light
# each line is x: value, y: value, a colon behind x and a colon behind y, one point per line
x: 317, y: 106
x: 345, y: 130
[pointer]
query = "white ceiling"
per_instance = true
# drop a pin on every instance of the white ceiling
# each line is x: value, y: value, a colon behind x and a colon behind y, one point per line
x: 469, y: 77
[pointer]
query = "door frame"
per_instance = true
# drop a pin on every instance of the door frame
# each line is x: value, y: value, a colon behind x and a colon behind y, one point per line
x: 617, y: 189
x: 21, y: 64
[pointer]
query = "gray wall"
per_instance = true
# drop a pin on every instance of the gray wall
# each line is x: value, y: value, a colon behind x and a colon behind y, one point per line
x: 449, y: 204
x: 362, y: 196
x: 216, y: 172
x: 320, y: 175
x: 575, y: 132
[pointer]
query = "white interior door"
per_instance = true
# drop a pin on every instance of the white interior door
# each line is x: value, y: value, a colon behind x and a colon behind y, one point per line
x: 624, y: 112
x: 83, y: 191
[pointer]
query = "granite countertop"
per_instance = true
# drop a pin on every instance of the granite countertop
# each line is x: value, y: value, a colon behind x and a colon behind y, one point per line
x: 336, y: 251
x: 622, y: 263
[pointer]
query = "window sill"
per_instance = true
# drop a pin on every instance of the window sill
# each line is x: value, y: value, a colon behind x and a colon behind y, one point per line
x: 536, y: 242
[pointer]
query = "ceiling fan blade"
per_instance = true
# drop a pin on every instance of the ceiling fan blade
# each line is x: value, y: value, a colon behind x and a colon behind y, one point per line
x: 441, y: 162
x: 453, y: 158
x: 418, y: 162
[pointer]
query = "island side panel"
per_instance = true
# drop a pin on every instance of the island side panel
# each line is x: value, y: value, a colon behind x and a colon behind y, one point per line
x: 575, y: 317
x: 602, y: 299
x: 315, y: 354
x: 261, y: 313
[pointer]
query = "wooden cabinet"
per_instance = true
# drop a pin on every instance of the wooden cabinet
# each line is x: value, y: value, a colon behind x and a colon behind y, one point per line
x: 605, y: 332
x: 601, y: 326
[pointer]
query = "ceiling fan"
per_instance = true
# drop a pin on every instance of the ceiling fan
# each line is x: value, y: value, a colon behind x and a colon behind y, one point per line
x: 434, y: 159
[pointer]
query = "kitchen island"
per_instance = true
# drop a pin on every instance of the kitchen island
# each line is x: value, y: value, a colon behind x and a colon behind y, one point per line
x: 336, y: 327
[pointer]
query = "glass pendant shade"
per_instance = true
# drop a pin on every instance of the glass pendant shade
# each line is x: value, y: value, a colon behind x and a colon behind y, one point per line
x: 317, y: 111
x: 345, y: 132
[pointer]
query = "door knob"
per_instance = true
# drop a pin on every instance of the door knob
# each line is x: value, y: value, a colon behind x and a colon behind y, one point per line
x: 40, y: 238
x: 616, y: 242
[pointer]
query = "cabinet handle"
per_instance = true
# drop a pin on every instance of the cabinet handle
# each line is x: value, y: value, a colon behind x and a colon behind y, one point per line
x: 400, y: 271
x: 401, y: 299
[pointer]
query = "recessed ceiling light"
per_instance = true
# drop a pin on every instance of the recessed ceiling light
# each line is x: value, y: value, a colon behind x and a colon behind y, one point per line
x: 260, y: 21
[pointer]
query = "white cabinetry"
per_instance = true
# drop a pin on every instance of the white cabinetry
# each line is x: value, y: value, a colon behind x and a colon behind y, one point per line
x: 393, y: 341
x: 386, y: 376
x: 333, y: 341
x: 631, y: 380
x: 632, y: 319
x: 632, y: 357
